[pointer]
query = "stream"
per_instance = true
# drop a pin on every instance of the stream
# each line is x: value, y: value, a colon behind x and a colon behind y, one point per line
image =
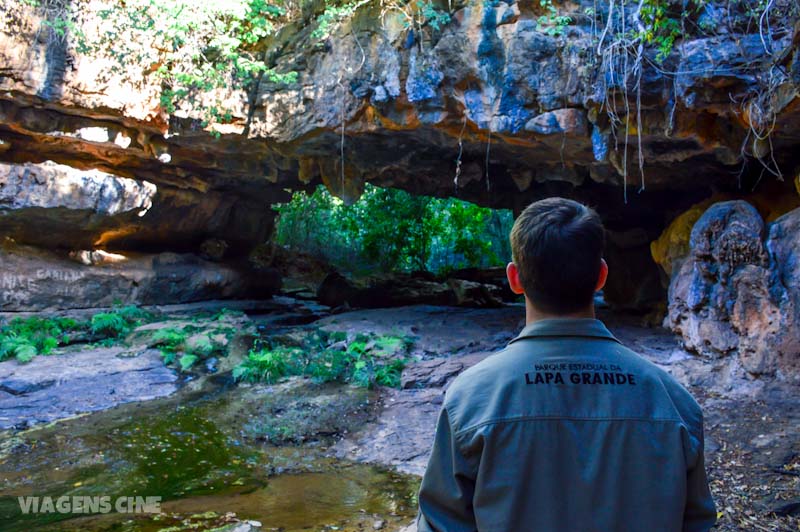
x: 188, y: 449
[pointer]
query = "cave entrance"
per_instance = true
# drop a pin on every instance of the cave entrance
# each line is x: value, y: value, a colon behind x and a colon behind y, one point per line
x: 392, y: 247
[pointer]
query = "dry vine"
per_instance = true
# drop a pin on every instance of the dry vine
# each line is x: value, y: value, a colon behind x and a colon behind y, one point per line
x: 460, y: 153
x: 621, y: 48
x: 760, y: 109
x: 340, y: 84
x: 622, y: 55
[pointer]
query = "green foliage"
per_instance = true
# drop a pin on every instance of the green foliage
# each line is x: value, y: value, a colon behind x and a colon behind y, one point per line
x: 432, y: 15
x: 389, y: 374
x: 226, y: 313
x: 417, y: 13
x: 367, y: 360
x: 176, y: 345
x: 133, y: 314
x: 332, y: 16
x: 662, y: 20
x: 204, y: 347
x: 198, y: 51
x: 20, y: 348
x: 263, y: 365
x: 24, y: 338
x: 169, y: 341
x: 187, y: 361
x: 392, y: 230
x: 59, y: 21
x: 117, y: 323
x: 551, y: 22
x: 661, y: 23
x: 110, y: 324
x: 198, y: 48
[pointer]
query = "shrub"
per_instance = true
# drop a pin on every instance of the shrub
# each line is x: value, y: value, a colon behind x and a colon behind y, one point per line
x: 24, y: 338
x: 174, y: 342
x: 118, y: 322
x: 20, y: 348
x: 389, y: 374
x: 109, y: 325
x: 263, y: 366
x: 202, y: 346
x: 367, y: 360
x: 187, y: 361
x: 169, y: 341
x: 133, y: 314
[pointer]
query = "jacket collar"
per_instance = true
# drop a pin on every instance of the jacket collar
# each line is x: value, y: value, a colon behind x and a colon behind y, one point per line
x: 582, y: 327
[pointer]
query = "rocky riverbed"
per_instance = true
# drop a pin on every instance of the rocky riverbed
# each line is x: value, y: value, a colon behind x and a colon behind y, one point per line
x: 302, y: 455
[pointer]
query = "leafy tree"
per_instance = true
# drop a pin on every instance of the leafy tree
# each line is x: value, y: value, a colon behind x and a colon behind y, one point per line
x: 199, y: 50
x: 392, y: 230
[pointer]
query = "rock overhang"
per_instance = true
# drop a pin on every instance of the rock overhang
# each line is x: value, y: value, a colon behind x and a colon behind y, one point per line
x: 488, y: 108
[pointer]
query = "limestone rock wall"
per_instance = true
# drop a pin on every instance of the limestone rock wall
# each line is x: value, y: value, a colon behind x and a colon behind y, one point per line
x: 490, y: 108
x: 36, y: 280
x: 528, y: 111
x: 736, y: 293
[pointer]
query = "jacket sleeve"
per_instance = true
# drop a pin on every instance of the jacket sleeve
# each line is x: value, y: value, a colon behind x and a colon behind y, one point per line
x: 700, y: 513
x: 445, y: 496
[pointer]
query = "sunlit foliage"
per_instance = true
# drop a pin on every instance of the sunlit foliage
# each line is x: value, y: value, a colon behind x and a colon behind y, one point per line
x: 392, y: 230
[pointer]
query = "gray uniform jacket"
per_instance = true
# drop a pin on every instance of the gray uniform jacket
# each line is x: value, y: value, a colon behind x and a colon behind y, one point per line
x: 567, y: 430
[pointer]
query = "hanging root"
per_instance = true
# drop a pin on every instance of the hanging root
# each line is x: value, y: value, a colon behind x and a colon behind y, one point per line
x: 460, y: 153
x: 621, y: 49
x: 488, y: 146
x: 340, y: 84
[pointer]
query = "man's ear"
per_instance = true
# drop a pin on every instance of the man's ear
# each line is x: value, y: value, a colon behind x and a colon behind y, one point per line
x: 513, y: 278
x: 601, y: 279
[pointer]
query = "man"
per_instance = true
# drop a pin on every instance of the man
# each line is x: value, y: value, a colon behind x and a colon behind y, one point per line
x: 565, y: 429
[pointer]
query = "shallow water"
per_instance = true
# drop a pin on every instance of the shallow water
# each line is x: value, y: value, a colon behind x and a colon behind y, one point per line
x: 199, y: 463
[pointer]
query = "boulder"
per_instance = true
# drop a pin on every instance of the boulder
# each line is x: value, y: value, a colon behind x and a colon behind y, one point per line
x: 495, y: 276
x: 89, y: 380
x: 784, y: 248
x: 737, y: 291
x: 472, y: 294
x: 36, y: 280
x: 59, y: 206
x: 560, y: 121
x: 405, y: 289
x: 672, y: 246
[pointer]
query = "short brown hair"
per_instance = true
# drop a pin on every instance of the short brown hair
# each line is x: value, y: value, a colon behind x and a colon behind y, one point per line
x: 557, y: 245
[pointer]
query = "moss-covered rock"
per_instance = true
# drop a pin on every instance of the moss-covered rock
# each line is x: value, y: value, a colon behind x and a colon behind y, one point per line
x: 295, y: 411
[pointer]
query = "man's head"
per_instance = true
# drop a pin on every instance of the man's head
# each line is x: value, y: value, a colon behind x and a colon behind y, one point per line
x: 557, y: 248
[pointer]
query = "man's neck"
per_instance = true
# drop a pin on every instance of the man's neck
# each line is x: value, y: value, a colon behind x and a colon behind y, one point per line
x: 533, y: 314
